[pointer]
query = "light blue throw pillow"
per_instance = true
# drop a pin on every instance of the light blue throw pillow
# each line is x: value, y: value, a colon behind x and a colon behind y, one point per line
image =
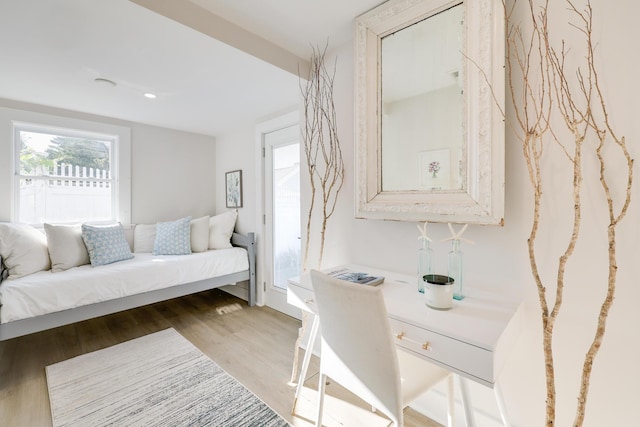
x: 173, y: 238
x: 106, y: 244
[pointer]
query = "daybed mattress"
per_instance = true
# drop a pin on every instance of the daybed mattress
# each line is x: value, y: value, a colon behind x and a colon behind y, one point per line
x: 47, y: 292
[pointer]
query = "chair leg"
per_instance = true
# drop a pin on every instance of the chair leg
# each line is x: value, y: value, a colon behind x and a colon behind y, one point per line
x: 451, y: 403
x: 305, y: 362
x: 296, y: 347
x: 321, y: 388
x: 466, y: 402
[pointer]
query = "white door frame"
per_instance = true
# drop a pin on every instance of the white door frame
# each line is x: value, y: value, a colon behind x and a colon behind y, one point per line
x: 283, y: 121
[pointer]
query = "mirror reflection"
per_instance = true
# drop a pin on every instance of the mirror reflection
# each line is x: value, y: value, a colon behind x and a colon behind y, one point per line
x: 425, y: 151
x: 422, y: 105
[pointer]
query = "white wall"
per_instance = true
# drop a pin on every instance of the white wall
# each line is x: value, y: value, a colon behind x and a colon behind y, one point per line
x: 172, y: 172
x: 236, y: 151
x: 499, y: 258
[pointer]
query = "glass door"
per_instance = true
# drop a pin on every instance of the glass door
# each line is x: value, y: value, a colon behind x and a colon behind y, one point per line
x: 282, y: 214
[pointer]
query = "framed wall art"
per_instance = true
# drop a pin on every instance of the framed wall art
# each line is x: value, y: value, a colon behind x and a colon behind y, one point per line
x: 233, y: 184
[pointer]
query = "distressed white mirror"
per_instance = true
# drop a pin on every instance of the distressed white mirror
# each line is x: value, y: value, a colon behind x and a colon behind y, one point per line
x: 429, y: 102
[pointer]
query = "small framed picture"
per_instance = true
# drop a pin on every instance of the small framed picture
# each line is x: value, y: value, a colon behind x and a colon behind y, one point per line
x: 233, y: 183
x: 435, y: 169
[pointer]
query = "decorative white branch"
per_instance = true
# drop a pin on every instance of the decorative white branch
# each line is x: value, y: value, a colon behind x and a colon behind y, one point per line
x: 323, y: 154
x: 543, y: 91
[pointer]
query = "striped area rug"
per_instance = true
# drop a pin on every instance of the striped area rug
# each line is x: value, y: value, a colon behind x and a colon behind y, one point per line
x: 156, y: 380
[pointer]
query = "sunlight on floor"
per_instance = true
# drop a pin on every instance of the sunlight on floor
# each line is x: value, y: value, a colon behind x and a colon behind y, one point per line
x: 337, y: 410
x: 229, y: 308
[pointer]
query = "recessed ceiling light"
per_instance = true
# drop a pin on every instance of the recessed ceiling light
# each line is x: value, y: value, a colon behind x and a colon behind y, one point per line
x: 105, y: 82
x: 150, y: 95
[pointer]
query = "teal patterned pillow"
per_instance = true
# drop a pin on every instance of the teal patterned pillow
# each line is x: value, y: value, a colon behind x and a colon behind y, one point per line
x: 173, y: 238
x: 106, y: 244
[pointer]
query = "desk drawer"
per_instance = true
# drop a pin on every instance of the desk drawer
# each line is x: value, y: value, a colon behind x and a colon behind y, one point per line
x: 302, y: 298
x: 468, y: 359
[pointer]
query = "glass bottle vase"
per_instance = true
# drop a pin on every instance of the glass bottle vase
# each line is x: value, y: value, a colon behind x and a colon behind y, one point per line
x: 455, y: 270
x: 425, y: 255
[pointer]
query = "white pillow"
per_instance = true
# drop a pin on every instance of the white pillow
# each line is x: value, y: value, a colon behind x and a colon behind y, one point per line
x: 220, y: 230
x: 23, y: 249
x: 200, y: 234
x: 128, y: 235
x: 144, y: 235
x: 66, y: 247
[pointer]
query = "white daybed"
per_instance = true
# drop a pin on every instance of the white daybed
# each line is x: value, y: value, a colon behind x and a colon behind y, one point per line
x: 47, y: 300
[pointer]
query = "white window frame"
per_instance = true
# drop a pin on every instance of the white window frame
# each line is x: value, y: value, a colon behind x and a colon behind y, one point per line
x: 65, y: 126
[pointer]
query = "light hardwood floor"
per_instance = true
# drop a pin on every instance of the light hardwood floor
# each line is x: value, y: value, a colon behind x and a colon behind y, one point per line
x: 255, y: 345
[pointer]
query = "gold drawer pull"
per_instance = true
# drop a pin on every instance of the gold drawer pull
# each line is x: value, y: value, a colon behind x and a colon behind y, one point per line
x: 425, y: 346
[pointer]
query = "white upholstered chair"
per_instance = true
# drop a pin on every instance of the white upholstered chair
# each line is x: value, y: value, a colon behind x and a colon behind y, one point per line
x: 358, y: 350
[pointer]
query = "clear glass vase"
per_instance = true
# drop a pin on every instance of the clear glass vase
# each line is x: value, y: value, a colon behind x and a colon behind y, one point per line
x: 455, y: 270
x: 425, y: 255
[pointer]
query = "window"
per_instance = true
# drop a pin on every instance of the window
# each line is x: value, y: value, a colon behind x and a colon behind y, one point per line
x: 69, y: 170
x: 64, y: 175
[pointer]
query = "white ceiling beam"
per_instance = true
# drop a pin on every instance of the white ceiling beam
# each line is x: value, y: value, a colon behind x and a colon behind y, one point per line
x: 206, y: 22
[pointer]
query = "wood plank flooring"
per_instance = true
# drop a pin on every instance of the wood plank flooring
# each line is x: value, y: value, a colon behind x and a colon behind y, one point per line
x: 254, y: 344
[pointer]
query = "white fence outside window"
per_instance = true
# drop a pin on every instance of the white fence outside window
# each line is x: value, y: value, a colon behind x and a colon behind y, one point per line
x: 66, y: 193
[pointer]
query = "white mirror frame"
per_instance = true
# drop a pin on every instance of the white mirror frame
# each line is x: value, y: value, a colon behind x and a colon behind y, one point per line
x: 482, y: 199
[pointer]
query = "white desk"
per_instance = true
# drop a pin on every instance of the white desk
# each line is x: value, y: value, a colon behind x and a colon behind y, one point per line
x: 472, y: 339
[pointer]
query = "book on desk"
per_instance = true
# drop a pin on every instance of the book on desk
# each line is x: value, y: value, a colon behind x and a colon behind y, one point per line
x: 355, y: 276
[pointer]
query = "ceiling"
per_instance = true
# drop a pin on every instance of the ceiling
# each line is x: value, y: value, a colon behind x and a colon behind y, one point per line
x: 54, y: 50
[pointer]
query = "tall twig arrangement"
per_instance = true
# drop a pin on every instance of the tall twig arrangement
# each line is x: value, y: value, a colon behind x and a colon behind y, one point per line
x: 321, y: 146
x: 548, y: 97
